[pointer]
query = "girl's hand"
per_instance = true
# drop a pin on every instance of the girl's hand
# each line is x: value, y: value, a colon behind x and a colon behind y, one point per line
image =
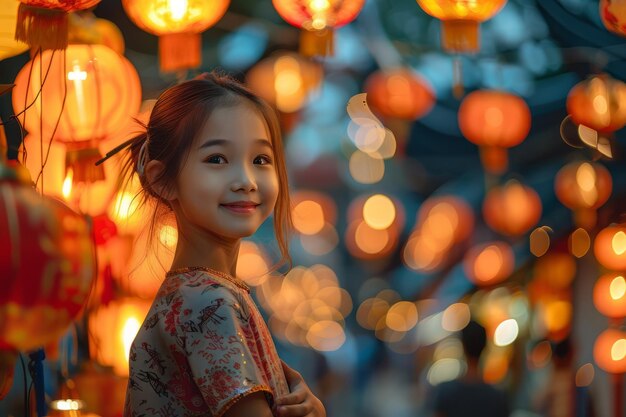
x: 301, y: 402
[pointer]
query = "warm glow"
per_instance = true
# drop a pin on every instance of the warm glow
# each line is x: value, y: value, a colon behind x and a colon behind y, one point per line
x: 308, y: 217
x: 496, y: 367
x: 321, y: 243
x: 585, y: 375
x: 540, y: 355
x: 444, y: 370
x: 67, y: 184
x: 371, y: 311
x: 369, y: 240
x: 557, y: 315
x: 326, y: 336
x: 618, y: 350
x: 251, y: 264
x: 456, y: 317
x: 402, y: 316
x: 67, y: 405
x: 617, y: 287
x: 579, y: 242
x: 539, y: 242
x: 618, y: 243
x: 488, y: 263
x: 168, y: 236
x: 609, y: 351
x: 610, y: 247
x: 125, y: 206
x: 379, y: 211
x: 177, y: 9
x: 506, y: 333
x: 586, y: 179
x: 129, y: 331
x: 366, y: 168
x: 173, y: 16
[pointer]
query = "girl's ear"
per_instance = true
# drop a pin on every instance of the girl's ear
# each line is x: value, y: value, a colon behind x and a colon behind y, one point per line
x: 153, y: 171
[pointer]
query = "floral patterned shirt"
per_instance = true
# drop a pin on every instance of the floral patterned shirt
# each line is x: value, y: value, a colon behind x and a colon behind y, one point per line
x: 202, y: 347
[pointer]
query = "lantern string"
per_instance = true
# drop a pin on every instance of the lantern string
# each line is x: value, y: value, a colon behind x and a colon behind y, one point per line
x: 26, y: 396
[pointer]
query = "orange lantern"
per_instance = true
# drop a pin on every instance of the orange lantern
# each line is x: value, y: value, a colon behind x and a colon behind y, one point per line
x: 609, y: 295
x: 610, y: 247
x: 399, y: 93
x: 609, y: 351
x: 86, y: 28
x: 460, y: 20
x: 583, y: 187
x: 612, y: 13
x: 43, y: 23
x: 46, y: 259
x: 318, y: 18
x: 489, y: 263
x: 556, y: 270
x: 8, y: 45
x: 599, y: 103
x: 494, y: 120
x: 285, y: 80
x: 512, y: 209
x: 444, y: 220
x: 178, y: 25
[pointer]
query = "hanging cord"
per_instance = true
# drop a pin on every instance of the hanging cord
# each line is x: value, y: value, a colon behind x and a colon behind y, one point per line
x: 26, y: 389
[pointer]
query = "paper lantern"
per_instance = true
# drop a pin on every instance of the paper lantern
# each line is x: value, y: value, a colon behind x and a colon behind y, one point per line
x: 512, y: 209
x: 494, y: 120
x: 178, y: 25
x: 399, y: 93
x: 85, y: 28
x: 609, y: 351
x: 317, y: 19
x: 490, y: 263
x: 610, y: 247
x: 460, y: 21
x: 583, y: 187
x: 599, y: 103
x: 47, y: 264
x: 43, y: 23
x: 8, y: 17
x: 613, y: 14
x: 609, y: 295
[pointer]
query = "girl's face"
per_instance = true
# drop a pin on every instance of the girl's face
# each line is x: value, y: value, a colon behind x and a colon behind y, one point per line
x: 228, y: 185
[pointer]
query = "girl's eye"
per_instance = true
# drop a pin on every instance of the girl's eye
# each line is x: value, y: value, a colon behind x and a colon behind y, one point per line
x: 263, y: 160
x: 215, y: 159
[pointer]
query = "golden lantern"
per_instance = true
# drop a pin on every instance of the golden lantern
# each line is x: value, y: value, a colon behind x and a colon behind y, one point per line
x: 489, y: 263
x: 8, y: 17
x: 599, y: 103
x: 583, y: 187
x: 494, y: 120
x: 613, y: 14
x: 512, y: 209
x: 178, y: 25
x: 85, y: 28
x: 460, y: 20
x: 399, y: 93
x: 609, y: 351
x: 609, y: 295
x: 610, y: 247
x: 318, y: 19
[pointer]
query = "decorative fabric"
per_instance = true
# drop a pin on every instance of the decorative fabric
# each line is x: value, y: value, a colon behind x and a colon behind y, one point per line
x: 202, y: 347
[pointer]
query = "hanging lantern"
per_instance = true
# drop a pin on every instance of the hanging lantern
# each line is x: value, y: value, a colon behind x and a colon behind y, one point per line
x: 8, y: 17
x: 43, y: 23
x: 583, y: 187
x: 47, y: 265
x: 610, y: 247
x: 494, y: 120
x: 599, y: 103
x: 85, y: 28
x: 613, y: 13
x: 460, y: 20
x: 609, y: 295
x: 318, y: 19
x: 285, y: 80
x: 609, y: 351
x: 178, y: 24
x: 399, y: 93
x: 489, y: 263
x: 512, y: 209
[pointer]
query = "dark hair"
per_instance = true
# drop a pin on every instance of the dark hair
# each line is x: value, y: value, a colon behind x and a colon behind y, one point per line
x: 177, y: 118
x: 474, y: 339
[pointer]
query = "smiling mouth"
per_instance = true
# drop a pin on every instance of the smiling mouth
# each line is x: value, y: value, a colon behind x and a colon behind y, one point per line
x: 241, y: 208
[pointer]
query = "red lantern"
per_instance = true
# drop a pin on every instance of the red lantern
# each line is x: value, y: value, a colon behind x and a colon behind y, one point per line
x: 613, y: 14
x: 43, y: 23
x: 599, y: 103
x: 318, y: 18
x: 609, y: 351
x: 513, y: 209
x: 47, y: 265
x: 494, y: 120
x: 609, y: 295
x: 489, y: 263
x: 399, y: 93
x: 178, y: 25
x: 610, y: 247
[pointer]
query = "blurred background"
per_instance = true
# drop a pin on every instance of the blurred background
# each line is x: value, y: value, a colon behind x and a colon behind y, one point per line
x: 439, y: 171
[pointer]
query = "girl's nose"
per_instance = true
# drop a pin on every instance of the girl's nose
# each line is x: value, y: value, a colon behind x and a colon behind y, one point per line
x: 245, y: 181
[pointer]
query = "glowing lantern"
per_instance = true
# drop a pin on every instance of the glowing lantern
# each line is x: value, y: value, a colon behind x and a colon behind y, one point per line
x: 311, y: 211
x: 610, y: 247
x: 612, y: 13
x: 46, y: 259
x: 599, y: 103
x: 494, y: 120
x: 557, y: 270
x: 460, y: 20
x: 178, y: 24
x: 8, y: 45
x: 365, y: 242
x: 285, y: 80
x: 445, y: 220
x: 399, y: 93
x: 583, y: 187
x: 43, y: 23
x: 113, y: 329
x: 513, y: 209
x: 85, y: 28
x: 489, y: 264
x: 318, y: 18
x: 609, y: 295
x: 609, y: 351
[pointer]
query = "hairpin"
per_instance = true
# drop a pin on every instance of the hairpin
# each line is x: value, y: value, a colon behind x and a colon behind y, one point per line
x: 114, y: 151
x: 143, y: 158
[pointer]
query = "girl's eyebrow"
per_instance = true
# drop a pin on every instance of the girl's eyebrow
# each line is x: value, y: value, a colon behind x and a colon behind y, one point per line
x: 225, y: 142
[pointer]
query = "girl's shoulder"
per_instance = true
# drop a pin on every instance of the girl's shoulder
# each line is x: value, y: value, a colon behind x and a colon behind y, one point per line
x: 199, y: 285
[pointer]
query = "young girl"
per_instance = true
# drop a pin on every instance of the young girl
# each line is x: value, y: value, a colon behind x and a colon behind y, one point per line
x: 212, y: 154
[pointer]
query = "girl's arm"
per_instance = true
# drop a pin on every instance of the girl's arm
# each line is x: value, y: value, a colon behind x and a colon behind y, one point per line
x: 301, y: 402
x: 251, y: 405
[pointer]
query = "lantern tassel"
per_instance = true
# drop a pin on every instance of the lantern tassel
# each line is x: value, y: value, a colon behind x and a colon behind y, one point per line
x: 317, y: 42
x: 83, y: 165
x: 179, y: 51
x: 41, y: 28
